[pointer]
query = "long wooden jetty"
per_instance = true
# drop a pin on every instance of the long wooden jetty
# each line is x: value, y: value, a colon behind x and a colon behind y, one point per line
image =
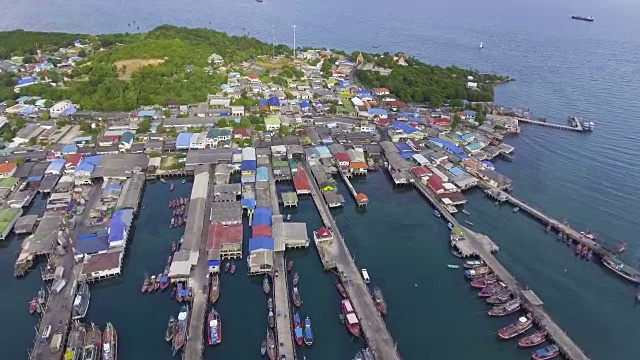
x: 530, y: 300
x: 577, y: 128
x: 360, y: 198
x: 375, y: 330
x: 571, y: 233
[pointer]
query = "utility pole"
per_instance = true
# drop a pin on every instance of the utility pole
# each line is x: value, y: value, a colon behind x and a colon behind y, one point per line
x: 273, y: 41
x: 294, y: 42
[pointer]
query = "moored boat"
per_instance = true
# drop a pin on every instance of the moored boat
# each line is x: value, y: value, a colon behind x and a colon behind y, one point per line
x: 621, y: 269
x: 263, y: 347
x: 381, y: 304
x: 589, y: 254
x: 270, y: 304
x: 351, y: 320
x: 171, y: 187
x: 271, y: 320
x: 516, y: 209
x: 174, y: 247
x: 171, y: 326
x: 500, y: 298
x: 491, y: 290
x: 470, y: 264
x: 180, y: 333
x: 152, y: 283
x: 33, y: 305
x: 578, y: 249
x: 450, y: 266
x: 341, y: 290
x: 295, y: 294
x: 145, y: 283
x: 296, y: 278
x: 523, y: 324
x: 92, y: 342
x: 164, y: 281
x: 506, y: 309
x: 308, y: 334
x: 547, y: 352
x: 271, y: 345
x: 456, y: 253
x: 75, y: 345
x: 548, y: 228
x: 297, y: 329
x: 533, y: 339
x: 290, y: 265
x: 437, y: 213
x: 109, y: 343
x: 465, y: 211
x: 163, y: 181
x: 476, y: 272
x: 266, y: 287
x: 233, y: 267
x: 215, y: 328
x: 156, y: 285
x: 227, y: 267
x: 214, y: 290
x: 81, y: 302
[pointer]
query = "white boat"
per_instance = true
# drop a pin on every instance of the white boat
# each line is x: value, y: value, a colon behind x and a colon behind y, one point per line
x: 481, y: 45
x: 450, y: 226
x: 468, y: 222
x: 81, y: 302
x: 516, y: 209
x: 453, y: 266
x: 464, y: 211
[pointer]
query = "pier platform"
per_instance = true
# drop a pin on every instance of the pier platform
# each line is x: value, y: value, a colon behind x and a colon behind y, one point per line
x: 477, y: 244
x: 194, y: 348
x: 374, y: 328
x: 360, y: 198
x: 578, y: 128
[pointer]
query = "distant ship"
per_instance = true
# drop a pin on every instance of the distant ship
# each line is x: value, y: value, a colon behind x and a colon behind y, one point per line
x: 583, y: 18
x: 481, y: 46
x: 81, y: 302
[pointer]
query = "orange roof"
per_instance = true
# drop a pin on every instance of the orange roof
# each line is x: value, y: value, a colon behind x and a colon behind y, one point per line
x: 358, y: 165
x: 323, y: 232
x: 360, y: 197
x: 7, y: 167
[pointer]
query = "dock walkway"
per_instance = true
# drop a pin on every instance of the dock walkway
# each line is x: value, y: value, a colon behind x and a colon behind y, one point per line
x: 280, y: 289
x: 569, y: 348
x: 375, y: 330
x: 360, y: 201
x: 194, y: 348
x: 578, y: 128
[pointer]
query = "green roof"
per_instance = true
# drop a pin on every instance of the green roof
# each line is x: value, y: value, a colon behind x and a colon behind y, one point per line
x: 458, y: 231
x: 279, y: 163
x: 8, y: 183
x: 272, y: 120
x: 8, y: 216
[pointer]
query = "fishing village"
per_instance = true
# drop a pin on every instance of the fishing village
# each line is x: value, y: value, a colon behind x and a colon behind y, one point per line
x: 231, y: 178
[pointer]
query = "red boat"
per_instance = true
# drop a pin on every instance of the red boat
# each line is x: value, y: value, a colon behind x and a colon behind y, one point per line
x: 297, y: 329
x: 351, y: 320
x: 480, y: 283
x: 500, y: 298
x: 533, y: 339
x: 290, y: 265
x: 523, y: 324
x: 491, y: 290
x: 210, y: 322
x: 33, y: 305
x: 341, y: 290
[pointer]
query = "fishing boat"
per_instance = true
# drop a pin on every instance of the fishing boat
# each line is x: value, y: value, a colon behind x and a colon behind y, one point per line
x: 296, y: 278
x: 156, y: 285
x: 456, y: 253
x: 559, y: 236
x: 33, y: 305
x: 480, y: 283
x: 450, y: 226
x: 263, y: 347
x: 109, y: 343
x: 341, y: 290
x: 450, y: 266
x: 164, y: 281
x: 227, y: 267
x: 585, y: 251
x: 233, y: 267
x: 271, y: 345
x: 470, y: 264
x: 468, y: 222
x: 533, y: 339
x: 163, y: 181
x: 180, y: 333
x: 271, y: 320
x: 42, y: 296
x: 172, y: 187
x: 81, y: 302
x: 308, y: 334
x: 621, y: 269
x: 589, y: 254
x: 214, y: 290
x: 490, y: 290
x: 215, y: 328
x: 152, y: 283
x: 506, y: 309
x: 75, y: 344
x: 381, y: 304
x: 171, y: 327
x: 548, y: 228
x: 464, y: 211
x: 547, y: 352
x: 578, y: 249
x: 295, y: 294
x: 172, y: 224
x: 290, y: 265
x: 437, y: 213
x: 500, y: 298
x: 265, y: 285
x: 297, y: 329
x: 523, y: 324
x: 516, y: 209
x: 476, y: 272
x: 92, y: 342
x: 270, y: 304
x: 174, y: 247
x: 351, y: 320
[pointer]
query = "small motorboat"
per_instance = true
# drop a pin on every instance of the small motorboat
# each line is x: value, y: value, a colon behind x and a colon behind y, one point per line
x: 516, y: 209
x: 341, y: 290
x: 450, y: 266
x: 288, y: 217
x: 271, y: 320
x: 548, y: 352
x: 171, y: 187
x: 168, y: 335
x: 548, y: 228
x: 233, y: 267
x: 296, y: 279
x: 437, y: 213
x: 266, y: 287
x: 174, y: 247
x: 263, y: 347
x: 145, y: 283
x: 468, y: 222
x: 464, y: 211
x: 164, y: 281
x: 270, y: 304
x: 308, y: 334
x: 290, y: 265
x: 33, y: 305
x: 227, y: 267
x: 163, y: 181
x: 450, y: 226
x: 295, y: 294
x: 533, y: 339
x: 456, y: 253
x: 184, y: 181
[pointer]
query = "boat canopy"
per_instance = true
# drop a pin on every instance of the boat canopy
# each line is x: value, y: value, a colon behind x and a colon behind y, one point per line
x: 106, y: 347
x: 347, y: 306
x: 352, y: 318
x: 182, y: 316
x: 523, y: 319
x: 77, y: 300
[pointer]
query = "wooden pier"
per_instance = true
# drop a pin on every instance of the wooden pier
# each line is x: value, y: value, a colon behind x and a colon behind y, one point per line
x: 531, y: 302
x: 360, y: 198
x: 578, y: 128
x: 574, y: 235
x: 374, y: 328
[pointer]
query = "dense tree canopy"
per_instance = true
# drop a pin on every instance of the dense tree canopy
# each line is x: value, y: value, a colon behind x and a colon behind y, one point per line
x: 21, y: 43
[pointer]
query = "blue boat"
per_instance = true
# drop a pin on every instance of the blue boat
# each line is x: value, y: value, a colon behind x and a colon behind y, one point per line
x: 436, y: 213
x: 308, y: 335
x: 297, y: 329
x: 546, y: 353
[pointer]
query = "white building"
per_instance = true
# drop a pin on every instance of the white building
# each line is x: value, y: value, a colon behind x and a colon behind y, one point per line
x: 198, y: 140
x: 58, y: 108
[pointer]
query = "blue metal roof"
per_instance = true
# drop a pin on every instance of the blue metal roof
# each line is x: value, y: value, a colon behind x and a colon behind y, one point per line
x: 262, y: 216
x: 26, y: 81
x: 447, y: 145
x: 488, y: 163
x: 120, y: 222
x: 456, y: 171
x: 91, y: 244
x: 274, y: 101
x: 403, y: 147
x: 469, y: 113
x: 147, y: 113
x: 262, y: 174
x: 93, y: 160
x: 213, y: 263
x: 248, y: 203
x: 404, y: 127
x: 261, y: 243
x: 56, y: 165
x: 305, y: 105
x: 377, y: 111
x: 183, y: 140
x: 248, y: 165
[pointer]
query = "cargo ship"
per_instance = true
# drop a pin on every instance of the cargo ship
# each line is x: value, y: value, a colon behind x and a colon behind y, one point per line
x: 381, y: 304
x: 92, y: 342
x: 308, y: 334
x: 214, y: 290
x: 109, y: 343
x: 81, y: 302
x: 351, y: 320
x: 583, y: 18
x: 621, y: 269
x: 180, y: 333
x: 297, y: 329
x: 215, y: 328
x: 523, y: 324
x: 533, y: 339
x: 548, y: 352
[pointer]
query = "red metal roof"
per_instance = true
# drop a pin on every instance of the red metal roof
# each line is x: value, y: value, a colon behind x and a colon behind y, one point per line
x: 397, y: 103
x: 381, y: 90
x: 223, y: 234
x: 383, y: 122
x: 242, y: 132
x: 301, y: 182
x: 262, y: 230
x: 441, y: 121
x: 435, y: 183
x: 323, y: 232
x: 420, y: 171
x: 73, y: 159
x: 342, y: 157
x: 252, y: 76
